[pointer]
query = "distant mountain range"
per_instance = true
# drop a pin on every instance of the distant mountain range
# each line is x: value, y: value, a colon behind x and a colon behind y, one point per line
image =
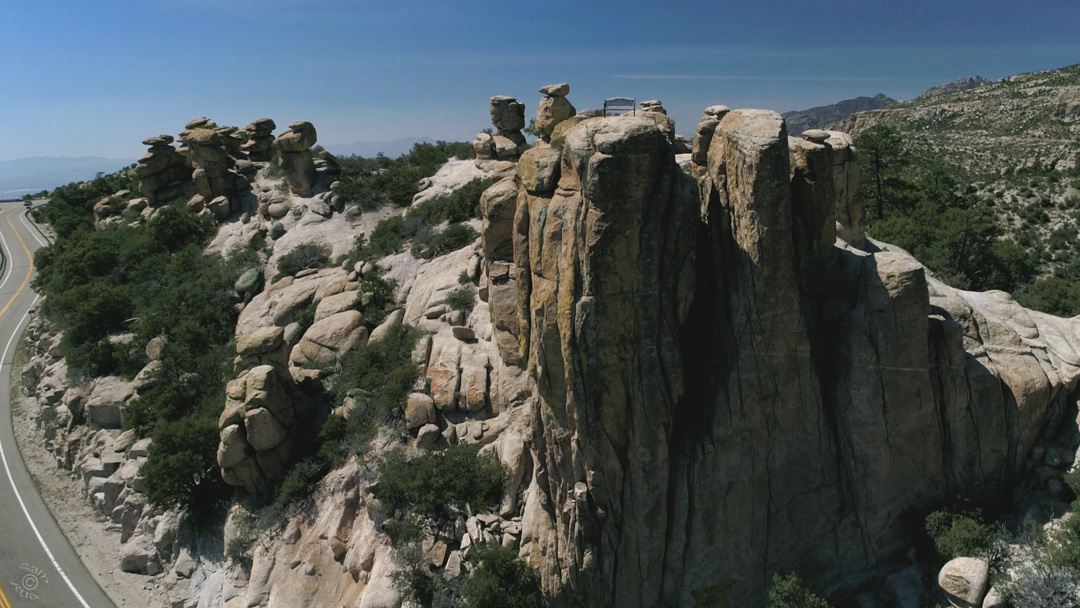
x: 32, y: 175
x: 822, y: 116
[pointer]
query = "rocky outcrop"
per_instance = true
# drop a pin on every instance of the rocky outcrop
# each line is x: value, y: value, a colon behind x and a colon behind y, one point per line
x: 508, y: 142
x: 1067, y: 106
x: 296, y: 159
x: 162, y: 171
x: 205, y: 148
x: 553, y: 109
x: 720, y: 391
x: 259, y: 146
x: 254, y: 426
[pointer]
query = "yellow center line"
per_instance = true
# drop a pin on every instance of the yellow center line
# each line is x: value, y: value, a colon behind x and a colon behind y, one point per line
x: 29, y: 272
x: 3, y: 599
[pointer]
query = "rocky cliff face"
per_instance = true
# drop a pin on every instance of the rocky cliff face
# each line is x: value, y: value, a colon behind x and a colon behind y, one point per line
x: 718, y: 400
x: 697, y: 369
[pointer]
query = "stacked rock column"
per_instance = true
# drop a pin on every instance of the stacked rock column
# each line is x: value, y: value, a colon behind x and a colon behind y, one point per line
x: 260, y: 140
x: 161, y: 168
x: 207, y: 151
x: 296, y: 159
x: 553, y: 109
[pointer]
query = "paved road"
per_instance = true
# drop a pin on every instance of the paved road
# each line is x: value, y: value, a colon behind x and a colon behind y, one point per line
x: 38, y: 567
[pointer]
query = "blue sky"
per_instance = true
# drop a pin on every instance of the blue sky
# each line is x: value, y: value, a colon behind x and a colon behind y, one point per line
x: 84, y: 78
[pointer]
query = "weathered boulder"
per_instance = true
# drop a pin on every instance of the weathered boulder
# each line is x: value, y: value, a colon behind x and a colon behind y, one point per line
x: 965, y: 580
x: 139, y: 556
x: 419, y: 410
x: 328, y: 340
x: 208, y: 151
x: 553, y: 109
x: 106, y: 402
x: 262, y: 340
x: 255, y: 426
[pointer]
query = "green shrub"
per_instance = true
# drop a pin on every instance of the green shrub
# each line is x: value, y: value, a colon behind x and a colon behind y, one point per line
x: 386, y: 239
x: 298, y: 484
x: 379, y: 294
x: 1039, y: 585
x: 371, y: 183
x: 302, y: 257
x: 462, y: 299
x: 71, y: 208
x: 153, y: 280
x: 1055, y: 295
x: 1064, y: 550
x: 305, y: 317
x: 377, y: 377
x: 964, y: 535
x: 417, y: 582
x: 464, y: 203
x: 181, y: 470
x: 440, y: 484
x: 454, y: 237
x: 501, y: 580
x: 790, y: 592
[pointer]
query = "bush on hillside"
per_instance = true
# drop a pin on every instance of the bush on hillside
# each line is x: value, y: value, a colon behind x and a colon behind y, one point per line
x: 303, y: 257
x: 152, y: 280
x: 789, y: 591
x: 377, y: 377
x: 429, y: 245
x: 71, y: 207
x: 441, y: 484
x: 462, y: 299
x: 181, y: 470
x: 501, y: 580
x: 965, y: 535
x: 371, y: 183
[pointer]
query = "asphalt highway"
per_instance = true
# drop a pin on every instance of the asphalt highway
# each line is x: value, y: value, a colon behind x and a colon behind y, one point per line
x: 38, y: 567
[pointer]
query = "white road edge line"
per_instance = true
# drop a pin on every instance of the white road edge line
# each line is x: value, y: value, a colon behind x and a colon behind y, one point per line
x: 32, y: 230
x: 3, y: 456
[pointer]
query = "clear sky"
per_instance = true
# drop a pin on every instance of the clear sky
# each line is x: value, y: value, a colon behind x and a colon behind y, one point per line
x: 95, y: 77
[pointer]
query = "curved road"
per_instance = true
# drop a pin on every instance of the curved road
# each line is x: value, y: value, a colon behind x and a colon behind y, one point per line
x: 38, y: 567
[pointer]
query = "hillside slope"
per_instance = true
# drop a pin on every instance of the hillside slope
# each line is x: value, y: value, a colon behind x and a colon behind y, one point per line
x: 822, y: 116
x: 1021, y: 122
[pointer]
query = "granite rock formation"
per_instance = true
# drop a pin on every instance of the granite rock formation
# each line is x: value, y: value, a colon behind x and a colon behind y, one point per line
x: 162, y: 170
x: 553, y: 109
x: 208, y: 147
x: 724, y: 389
x: 260, y: 140
x: 508, y: 142
x: 296, y: 158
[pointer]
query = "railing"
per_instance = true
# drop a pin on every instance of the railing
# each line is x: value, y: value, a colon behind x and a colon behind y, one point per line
x: 620, y: 104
